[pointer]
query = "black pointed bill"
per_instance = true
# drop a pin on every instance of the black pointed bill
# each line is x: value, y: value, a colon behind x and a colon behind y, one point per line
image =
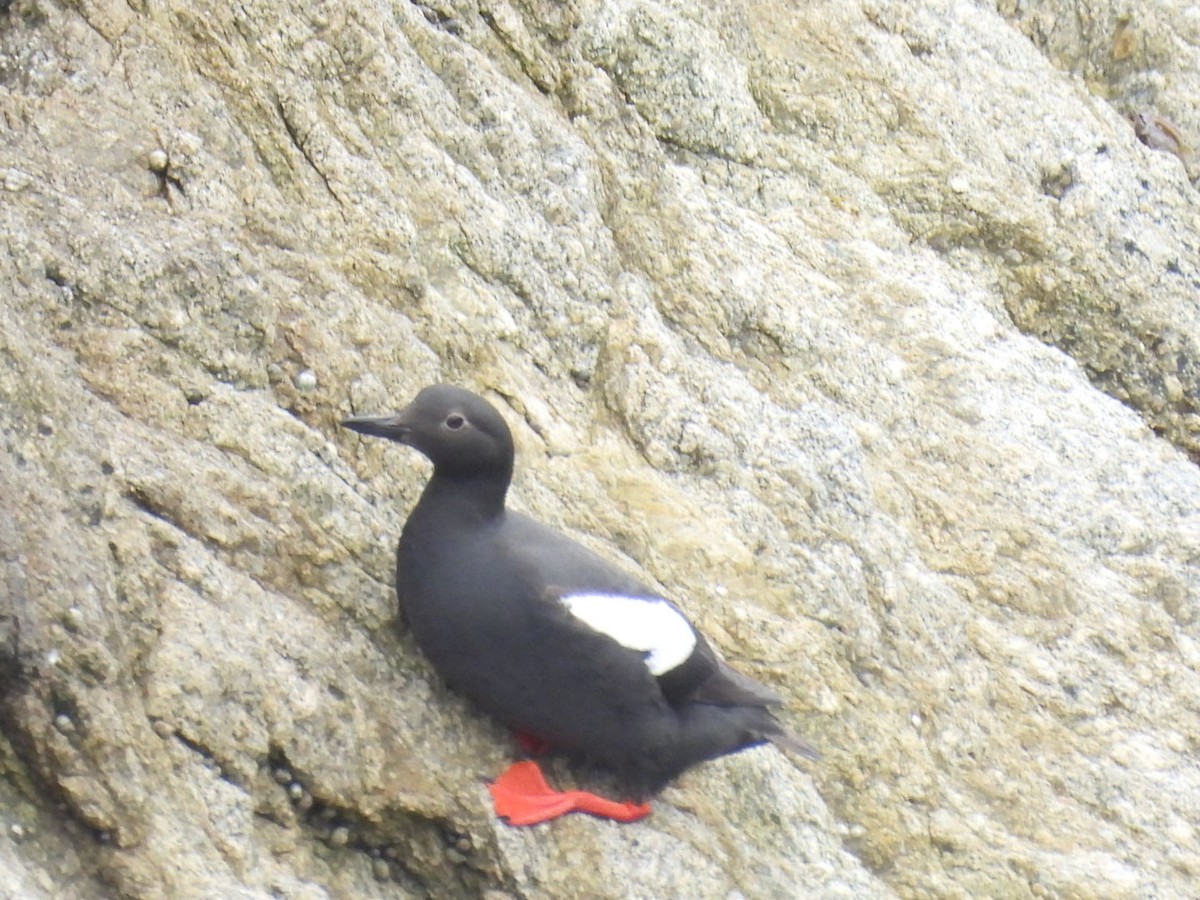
x: 394, y: 427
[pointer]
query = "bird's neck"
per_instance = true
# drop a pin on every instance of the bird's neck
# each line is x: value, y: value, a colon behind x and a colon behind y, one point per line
x: 473, y: 497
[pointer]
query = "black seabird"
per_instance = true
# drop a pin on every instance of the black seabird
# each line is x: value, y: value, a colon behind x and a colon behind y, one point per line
x: 549, y: 638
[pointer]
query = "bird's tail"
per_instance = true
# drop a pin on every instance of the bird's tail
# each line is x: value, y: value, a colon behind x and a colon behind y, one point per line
x: 789, y: 740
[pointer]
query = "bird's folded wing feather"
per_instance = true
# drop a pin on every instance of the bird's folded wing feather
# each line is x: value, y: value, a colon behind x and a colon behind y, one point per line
x: 602, y: 598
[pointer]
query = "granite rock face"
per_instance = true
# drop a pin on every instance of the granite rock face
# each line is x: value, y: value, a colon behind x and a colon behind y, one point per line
x: 868, y: 330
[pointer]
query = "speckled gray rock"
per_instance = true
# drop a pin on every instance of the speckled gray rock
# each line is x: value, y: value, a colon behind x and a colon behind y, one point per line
x: 867, y: 329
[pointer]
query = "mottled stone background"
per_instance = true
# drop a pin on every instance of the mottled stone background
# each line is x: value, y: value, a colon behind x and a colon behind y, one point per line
x: 868, y: 329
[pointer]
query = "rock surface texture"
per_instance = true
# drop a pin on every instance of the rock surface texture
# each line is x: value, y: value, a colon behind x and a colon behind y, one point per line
x: 870, y: 330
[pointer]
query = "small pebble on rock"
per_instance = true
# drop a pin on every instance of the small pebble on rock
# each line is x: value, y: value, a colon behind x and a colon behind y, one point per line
x: 306, y: 380
x: 158, y: 161
x: 73, y: 618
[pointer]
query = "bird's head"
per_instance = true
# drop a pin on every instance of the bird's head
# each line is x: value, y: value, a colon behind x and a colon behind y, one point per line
x: 460, y: 432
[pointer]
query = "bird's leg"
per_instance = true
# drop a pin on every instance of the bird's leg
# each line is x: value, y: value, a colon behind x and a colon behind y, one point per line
x: 523, y: 797
x: 532, y: 744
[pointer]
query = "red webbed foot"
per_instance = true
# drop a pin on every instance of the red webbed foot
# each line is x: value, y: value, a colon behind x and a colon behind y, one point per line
x: 523, y: 797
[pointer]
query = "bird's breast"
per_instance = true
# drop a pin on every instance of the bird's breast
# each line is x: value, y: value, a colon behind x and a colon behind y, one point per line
x: 450, y: 591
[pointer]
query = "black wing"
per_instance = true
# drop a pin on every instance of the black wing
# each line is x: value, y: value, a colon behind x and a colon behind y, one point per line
x: 567, y: 568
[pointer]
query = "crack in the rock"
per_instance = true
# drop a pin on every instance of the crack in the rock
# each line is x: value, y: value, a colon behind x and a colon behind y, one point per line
x: 297, y: 140
x: 392, y: 841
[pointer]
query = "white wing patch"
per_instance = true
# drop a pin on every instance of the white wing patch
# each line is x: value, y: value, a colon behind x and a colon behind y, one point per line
x: 648, y: 624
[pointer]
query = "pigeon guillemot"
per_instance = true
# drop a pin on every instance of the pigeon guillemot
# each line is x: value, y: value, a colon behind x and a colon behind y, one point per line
x: 549, y: 638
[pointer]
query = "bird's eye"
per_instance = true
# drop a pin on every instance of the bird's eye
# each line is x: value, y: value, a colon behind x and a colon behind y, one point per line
x: 454, y: 421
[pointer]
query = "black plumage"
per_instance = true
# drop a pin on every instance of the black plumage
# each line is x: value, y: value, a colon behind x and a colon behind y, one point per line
x: 482, y: 589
